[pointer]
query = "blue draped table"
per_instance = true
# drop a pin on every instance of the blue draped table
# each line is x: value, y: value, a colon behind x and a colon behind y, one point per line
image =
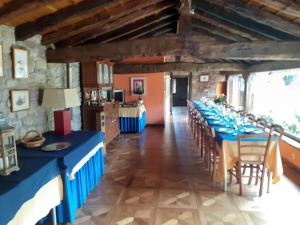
x: 85, y: 179
x: 22, y: 185
x: 132, y: 124
x: 227, y: 142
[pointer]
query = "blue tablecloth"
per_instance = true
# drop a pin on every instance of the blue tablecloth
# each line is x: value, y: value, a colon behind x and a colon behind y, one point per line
x: 206, y: 112
x: 132, y: 124
x: 22, y: 185
x: 82, y: 143
x: 77, y: 190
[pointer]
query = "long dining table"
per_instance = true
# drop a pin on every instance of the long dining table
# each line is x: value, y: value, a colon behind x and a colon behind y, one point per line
x: 226, y: 133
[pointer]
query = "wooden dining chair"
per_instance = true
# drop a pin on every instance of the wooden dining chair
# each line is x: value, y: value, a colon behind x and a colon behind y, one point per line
x: 212, y: 156
x: 262, y: 123
x: 200, y: 134
x: 250, y: 117
x: 253, y: 153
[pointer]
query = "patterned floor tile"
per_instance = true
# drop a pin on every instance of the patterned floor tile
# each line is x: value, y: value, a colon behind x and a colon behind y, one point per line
x: 134, y: 216
x: 141, y: 196
x: 172, y: 216
x: 177, y: 198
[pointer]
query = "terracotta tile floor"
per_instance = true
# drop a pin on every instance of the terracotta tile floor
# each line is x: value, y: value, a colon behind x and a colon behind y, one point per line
x: 158, y: 178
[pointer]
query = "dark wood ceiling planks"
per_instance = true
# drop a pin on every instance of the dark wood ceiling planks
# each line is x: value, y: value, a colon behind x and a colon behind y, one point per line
x: 71, y: 23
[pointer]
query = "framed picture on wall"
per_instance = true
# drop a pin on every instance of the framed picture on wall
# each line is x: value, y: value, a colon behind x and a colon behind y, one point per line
x: 138, y: 86
x: 1, y: 62
x: 20, y: 62
x: 19, y: 100
x: 204, y: 78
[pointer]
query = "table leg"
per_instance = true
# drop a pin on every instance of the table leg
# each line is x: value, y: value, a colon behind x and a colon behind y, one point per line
x: 54, y: 219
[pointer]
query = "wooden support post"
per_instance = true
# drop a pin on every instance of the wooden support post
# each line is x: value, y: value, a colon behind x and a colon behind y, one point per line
x: 184, y: 24
x: 190, y: 89
x: 245, y: 76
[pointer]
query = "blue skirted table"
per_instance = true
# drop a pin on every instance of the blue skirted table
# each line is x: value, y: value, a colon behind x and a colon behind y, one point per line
x: 81, y: 167
x: 226, y: 137
x: 29, y: 194
x: 132, y: 119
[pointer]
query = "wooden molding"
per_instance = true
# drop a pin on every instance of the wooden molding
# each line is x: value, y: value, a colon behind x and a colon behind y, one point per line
x: 194, y: 68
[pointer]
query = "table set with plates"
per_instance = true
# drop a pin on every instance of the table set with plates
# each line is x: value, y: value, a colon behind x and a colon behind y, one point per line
x: 60, y: 180
x: 227, y: 125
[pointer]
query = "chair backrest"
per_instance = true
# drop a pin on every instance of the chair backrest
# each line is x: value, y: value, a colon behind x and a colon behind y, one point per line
x: 277, y: 130
x: 262, y: 123
x: 254, y: 147
x: 209, y: 134
x: 250, y: 117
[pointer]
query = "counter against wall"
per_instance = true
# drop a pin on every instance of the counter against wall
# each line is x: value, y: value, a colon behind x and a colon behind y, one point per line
x: 41, y: 75
x: 154, y: 99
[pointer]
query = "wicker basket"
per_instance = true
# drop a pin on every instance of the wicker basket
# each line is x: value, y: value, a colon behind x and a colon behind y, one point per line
x: 33, y: 142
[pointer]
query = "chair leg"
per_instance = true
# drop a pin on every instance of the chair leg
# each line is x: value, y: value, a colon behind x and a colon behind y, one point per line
x: 239, y: 175
x: 202, y: 142
x: 257, y: 174
x: 262, y: 182
x: 244, y: 169
x: 251, y: 174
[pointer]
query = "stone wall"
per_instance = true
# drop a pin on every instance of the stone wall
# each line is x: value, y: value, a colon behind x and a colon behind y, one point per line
x: 41, y: 75
x: 205, y: 89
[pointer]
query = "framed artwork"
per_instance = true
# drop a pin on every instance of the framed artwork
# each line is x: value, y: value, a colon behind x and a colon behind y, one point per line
x: 1, y: 62
x: 204, y: 78
x: 20, y: 63
x: 19, y: 100
x: 138, y: 86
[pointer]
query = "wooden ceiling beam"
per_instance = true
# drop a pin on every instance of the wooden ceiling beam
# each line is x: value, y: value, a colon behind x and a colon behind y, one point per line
x: 127, y: 30
x: 174, y: 45
x: 116, y: 24
x: 228, y: 27
x: 288, y: 7
x: 142, y: 32
x: 240, y: 21
x: 217, y: 31
x: 170, y: 67
x: 157, y: 33
x: 96, y: 21
x: 58, y: 19
x: 156, y: 46
x: 260, y: 16
x: 273, y: 66
x: 14, y: 9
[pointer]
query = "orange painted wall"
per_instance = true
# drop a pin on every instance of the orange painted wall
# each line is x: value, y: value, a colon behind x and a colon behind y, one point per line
x: 154, y: 99
x: 290, y: 153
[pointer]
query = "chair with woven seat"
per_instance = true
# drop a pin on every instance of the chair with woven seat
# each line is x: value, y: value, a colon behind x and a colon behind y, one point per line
x: 250, y: 117
x: 252, y: 150
x: 211, y: 155
x: 262, y: 123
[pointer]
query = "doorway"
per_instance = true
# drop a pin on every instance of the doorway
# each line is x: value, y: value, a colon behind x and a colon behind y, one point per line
x: 180, y: 91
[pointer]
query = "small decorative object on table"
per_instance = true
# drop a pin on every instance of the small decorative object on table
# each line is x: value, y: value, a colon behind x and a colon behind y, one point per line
x: 221, y: 99
x: 33, y: 141
x: 8, y: 151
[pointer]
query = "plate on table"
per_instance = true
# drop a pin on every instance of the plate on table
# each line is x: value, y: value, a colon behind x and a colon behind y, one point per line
x: 226, y: 130
x: 212, y: 117
x: 57, y: 146
x: 252, y: 131
x: 216, y: 122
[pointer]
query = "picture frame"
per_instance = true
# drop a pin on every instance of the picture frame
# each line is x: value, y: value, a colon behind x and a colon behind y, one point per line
x: 19, y: 100
x: 20, y: 63
x: 204, y: 78
x: 138, y: 86
x: 1, y: 62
